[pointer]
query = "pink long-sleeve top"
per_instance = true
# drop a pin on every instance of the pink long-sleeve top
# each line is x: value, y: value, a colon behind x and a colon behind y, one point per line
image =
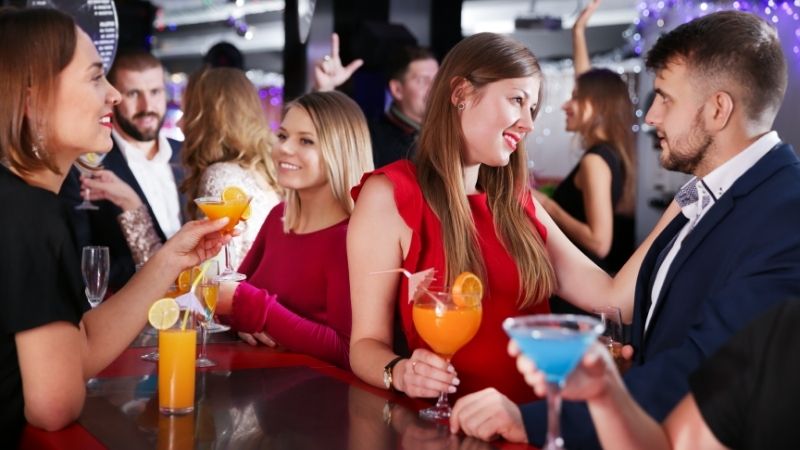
x: 297, y: 290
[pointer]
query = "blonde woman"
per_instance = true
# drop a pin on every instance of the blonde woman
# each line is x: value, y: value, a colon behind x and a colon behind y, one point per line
x: 297, y: 293
x: 227, y: 144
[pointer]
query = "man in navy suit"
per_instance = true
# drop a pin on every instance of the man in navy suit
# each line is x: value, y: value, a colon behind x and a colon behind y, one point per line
x: 143, y: 158
x: 734, y: 251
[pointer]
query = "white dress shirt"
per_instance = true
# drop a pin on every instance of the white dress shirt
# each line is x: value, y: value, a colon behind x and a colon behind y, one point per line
x: 157, y: 181
x: 709, y: 189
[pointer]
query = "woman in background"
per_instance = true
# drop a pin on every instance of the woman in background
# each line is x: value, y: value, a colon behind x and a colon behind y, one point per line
x: 228, y: 144
x: 594, y: 204
x: 297, y: 293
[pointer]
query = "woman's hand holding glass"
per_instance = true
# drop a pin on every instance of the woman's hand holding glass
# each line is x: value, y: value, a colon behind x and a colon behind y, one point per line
x: 196, y: 242
x: 106, y: 185
x: 425, y: 375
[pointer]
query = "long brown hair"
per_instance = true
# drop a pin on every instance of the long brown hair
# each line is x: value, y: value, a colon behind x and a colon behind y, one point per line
x: 223, y: 122
x: 481, y: 59
x: 344, y: 143
x: 611, y: 122
x: 37, y: 45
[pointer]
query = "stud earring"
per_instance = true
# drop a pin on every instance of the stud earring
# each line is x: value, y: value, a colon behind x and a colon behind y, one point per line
x: 461, y: 106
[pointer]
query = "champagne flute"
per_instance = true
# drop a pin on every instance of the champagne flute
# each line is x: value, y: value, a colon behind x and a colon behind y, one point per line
x: 88, y: 163
x: 556, y: 343
x: 95, y: 267
x: 207, y: 292
x: 445, y: 326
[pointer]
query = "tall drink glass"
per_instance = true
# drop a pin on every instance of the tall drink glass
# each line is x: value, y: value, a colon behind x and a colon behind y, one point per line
x: 556, y: 343
x: 176, y: 371
x: 446, y: 327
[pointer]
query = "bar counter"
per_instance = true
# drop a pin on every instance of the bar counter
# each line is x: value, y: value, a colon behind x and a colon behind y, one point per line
x: 254, y: 398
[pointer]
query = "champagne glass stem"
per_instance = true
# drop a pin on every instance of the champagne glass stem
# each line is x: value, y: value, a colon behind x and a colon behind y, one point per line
x: 203, y: 341
x: 554, y: 439
x: 228, y: 268
x: 442, y: 403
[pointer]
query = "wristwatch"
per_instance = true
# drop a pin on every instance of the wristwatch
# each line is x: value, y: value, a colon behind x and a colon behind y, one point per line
x: 387, y: 373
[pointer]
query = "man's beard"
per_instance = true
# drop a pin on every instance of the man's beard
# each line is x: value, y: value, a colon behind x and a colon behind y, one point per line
x: 689, y: 150
x: 130, y: 129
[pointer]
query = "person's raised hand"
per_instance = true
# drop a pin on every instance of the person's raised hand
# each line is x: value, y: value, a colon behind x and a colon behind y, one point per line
x: 196, y: 242
x: 488, y: 414
x: 585, y: 15
x: 329, y: 73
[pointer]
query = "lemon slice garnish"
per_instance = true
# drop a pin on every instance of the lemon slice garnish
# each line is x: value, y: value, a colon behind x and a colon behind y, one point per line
x: 163, y: 314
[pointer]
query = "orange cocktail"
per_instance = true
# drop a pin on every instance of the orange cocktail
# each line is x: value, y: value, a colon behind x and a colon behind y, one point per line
x: 446, y: 321
x: 176, y: 349
x: 446, y: 330
x: 215, y: 208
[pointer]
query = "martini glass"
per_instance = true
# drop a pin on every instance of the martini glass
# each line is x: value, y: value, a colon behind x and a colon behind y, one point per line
x: 556, y: 343
x: 88, y: 163
x: 446, y: 326
x: 215, y: 208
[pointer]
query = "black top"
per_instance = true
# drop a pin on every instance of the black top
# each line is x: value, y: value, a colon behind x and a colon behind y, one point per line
x: 392, y: 140
x: 570, y: 198
x: 40, y: 281
x: 748, y: 391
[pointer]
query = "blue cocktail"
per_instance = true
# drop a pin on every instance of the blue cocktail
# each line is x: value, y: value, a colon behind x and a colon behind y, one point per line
x: 556, y: 344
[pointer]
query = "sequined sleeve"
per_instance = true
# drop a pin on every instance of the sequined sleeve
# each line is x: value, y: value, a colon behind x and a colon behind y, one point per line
x: 140, y: 233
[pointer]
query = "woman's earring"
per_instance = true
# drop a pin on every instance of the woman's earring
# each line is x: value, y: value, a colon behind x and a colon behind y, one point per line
x: 461, y: 106
x: 36, y: 148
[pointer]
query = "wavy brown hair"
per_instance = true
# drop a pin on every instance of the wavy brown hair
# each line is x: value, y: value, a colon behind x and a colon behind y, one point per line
x: 481, y: 59
x: 611, y: 123
x: 344, y: 143
x: 37, y: 45
x: 223, y: 122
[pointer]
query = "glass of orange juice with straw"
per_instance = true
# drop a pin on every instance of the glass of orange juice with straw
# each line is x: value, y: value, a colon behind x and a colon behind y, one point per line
x: 446, y: 321
x: 234, y: 204
x: 176, y: 354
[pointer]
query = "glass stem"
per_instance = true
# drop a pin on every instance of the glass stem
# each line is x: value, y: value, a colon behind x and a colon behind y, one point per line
x: 442, y: 402
x: 228, y: 268
x: 554, y: 439
x: 203, y: 340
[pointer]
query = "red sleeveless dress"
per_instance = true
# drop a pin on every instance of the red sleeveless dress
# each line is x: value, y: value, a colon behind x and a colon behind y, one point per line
x: 483, y: 362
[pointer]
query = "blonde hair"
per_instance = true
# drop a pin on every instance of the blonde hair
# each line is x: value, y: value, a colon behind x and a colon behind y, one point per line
x: 481, y: 59
x: 344, y: 143
x: 223, y: 122
x: 37, y: 45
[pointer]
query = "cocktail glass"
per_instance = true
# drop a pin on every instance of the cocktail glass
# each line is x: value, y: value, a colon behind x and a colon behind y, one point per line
x: 215, y: 208
x: 446, y: 327
x: 86, y: 164
x: 556, y: 343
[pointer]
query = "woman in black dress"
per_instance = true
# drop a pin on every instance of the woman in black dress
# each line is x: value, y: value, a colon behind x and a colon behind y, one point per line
x: 56, y: 105
x: 594, y: 204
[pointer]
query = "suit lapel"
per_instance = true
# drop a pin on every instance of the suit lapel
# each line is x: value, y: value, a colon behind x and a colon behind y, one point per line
x: 115, y: 161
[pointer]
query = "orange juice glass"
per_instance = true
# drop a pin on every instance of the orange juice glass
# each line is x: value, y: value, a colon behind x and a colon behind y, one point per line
x: 446, y: 327
x: 176, y: 432
x: 176, y: 349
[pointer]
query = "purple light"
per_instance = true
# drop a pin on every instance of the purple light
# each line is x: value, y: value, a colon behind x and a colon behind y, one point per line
x: 262, y: 93
x: 774, y: 19
x: 737, y: 5
x: 767, y: 11
x: 703, y: 6
x: 275, y: 101
x: 796, y: 49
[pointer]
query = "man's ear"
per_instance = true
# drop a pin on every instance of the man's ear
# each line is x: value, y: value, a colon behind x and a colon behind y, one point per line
x: 460, y: 89
x: 396, y: 89
x: 721, y: 108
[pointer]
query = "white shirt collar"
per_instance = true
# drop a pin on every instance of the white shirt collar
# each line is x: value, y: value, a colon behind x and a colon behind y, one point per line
x: 129, y: 151
x: 718, y: 181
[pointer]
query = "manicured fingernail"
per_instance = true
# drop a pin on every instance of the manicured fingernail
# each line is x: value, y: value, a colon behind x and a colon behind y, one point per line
x: 450, y: 368
x: 451, y: 390
x: 456, y: 381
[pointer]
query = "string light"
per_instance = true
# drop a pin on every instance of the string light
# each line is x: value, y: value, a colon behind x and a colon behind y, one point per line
x: 661, y: 15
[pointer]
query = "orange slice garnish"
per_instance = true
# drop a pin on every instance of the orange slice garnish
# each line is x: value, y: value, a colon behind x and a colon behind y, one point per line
x: 184, y: 281
x: 236, y: 194
x: 467, y: 290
